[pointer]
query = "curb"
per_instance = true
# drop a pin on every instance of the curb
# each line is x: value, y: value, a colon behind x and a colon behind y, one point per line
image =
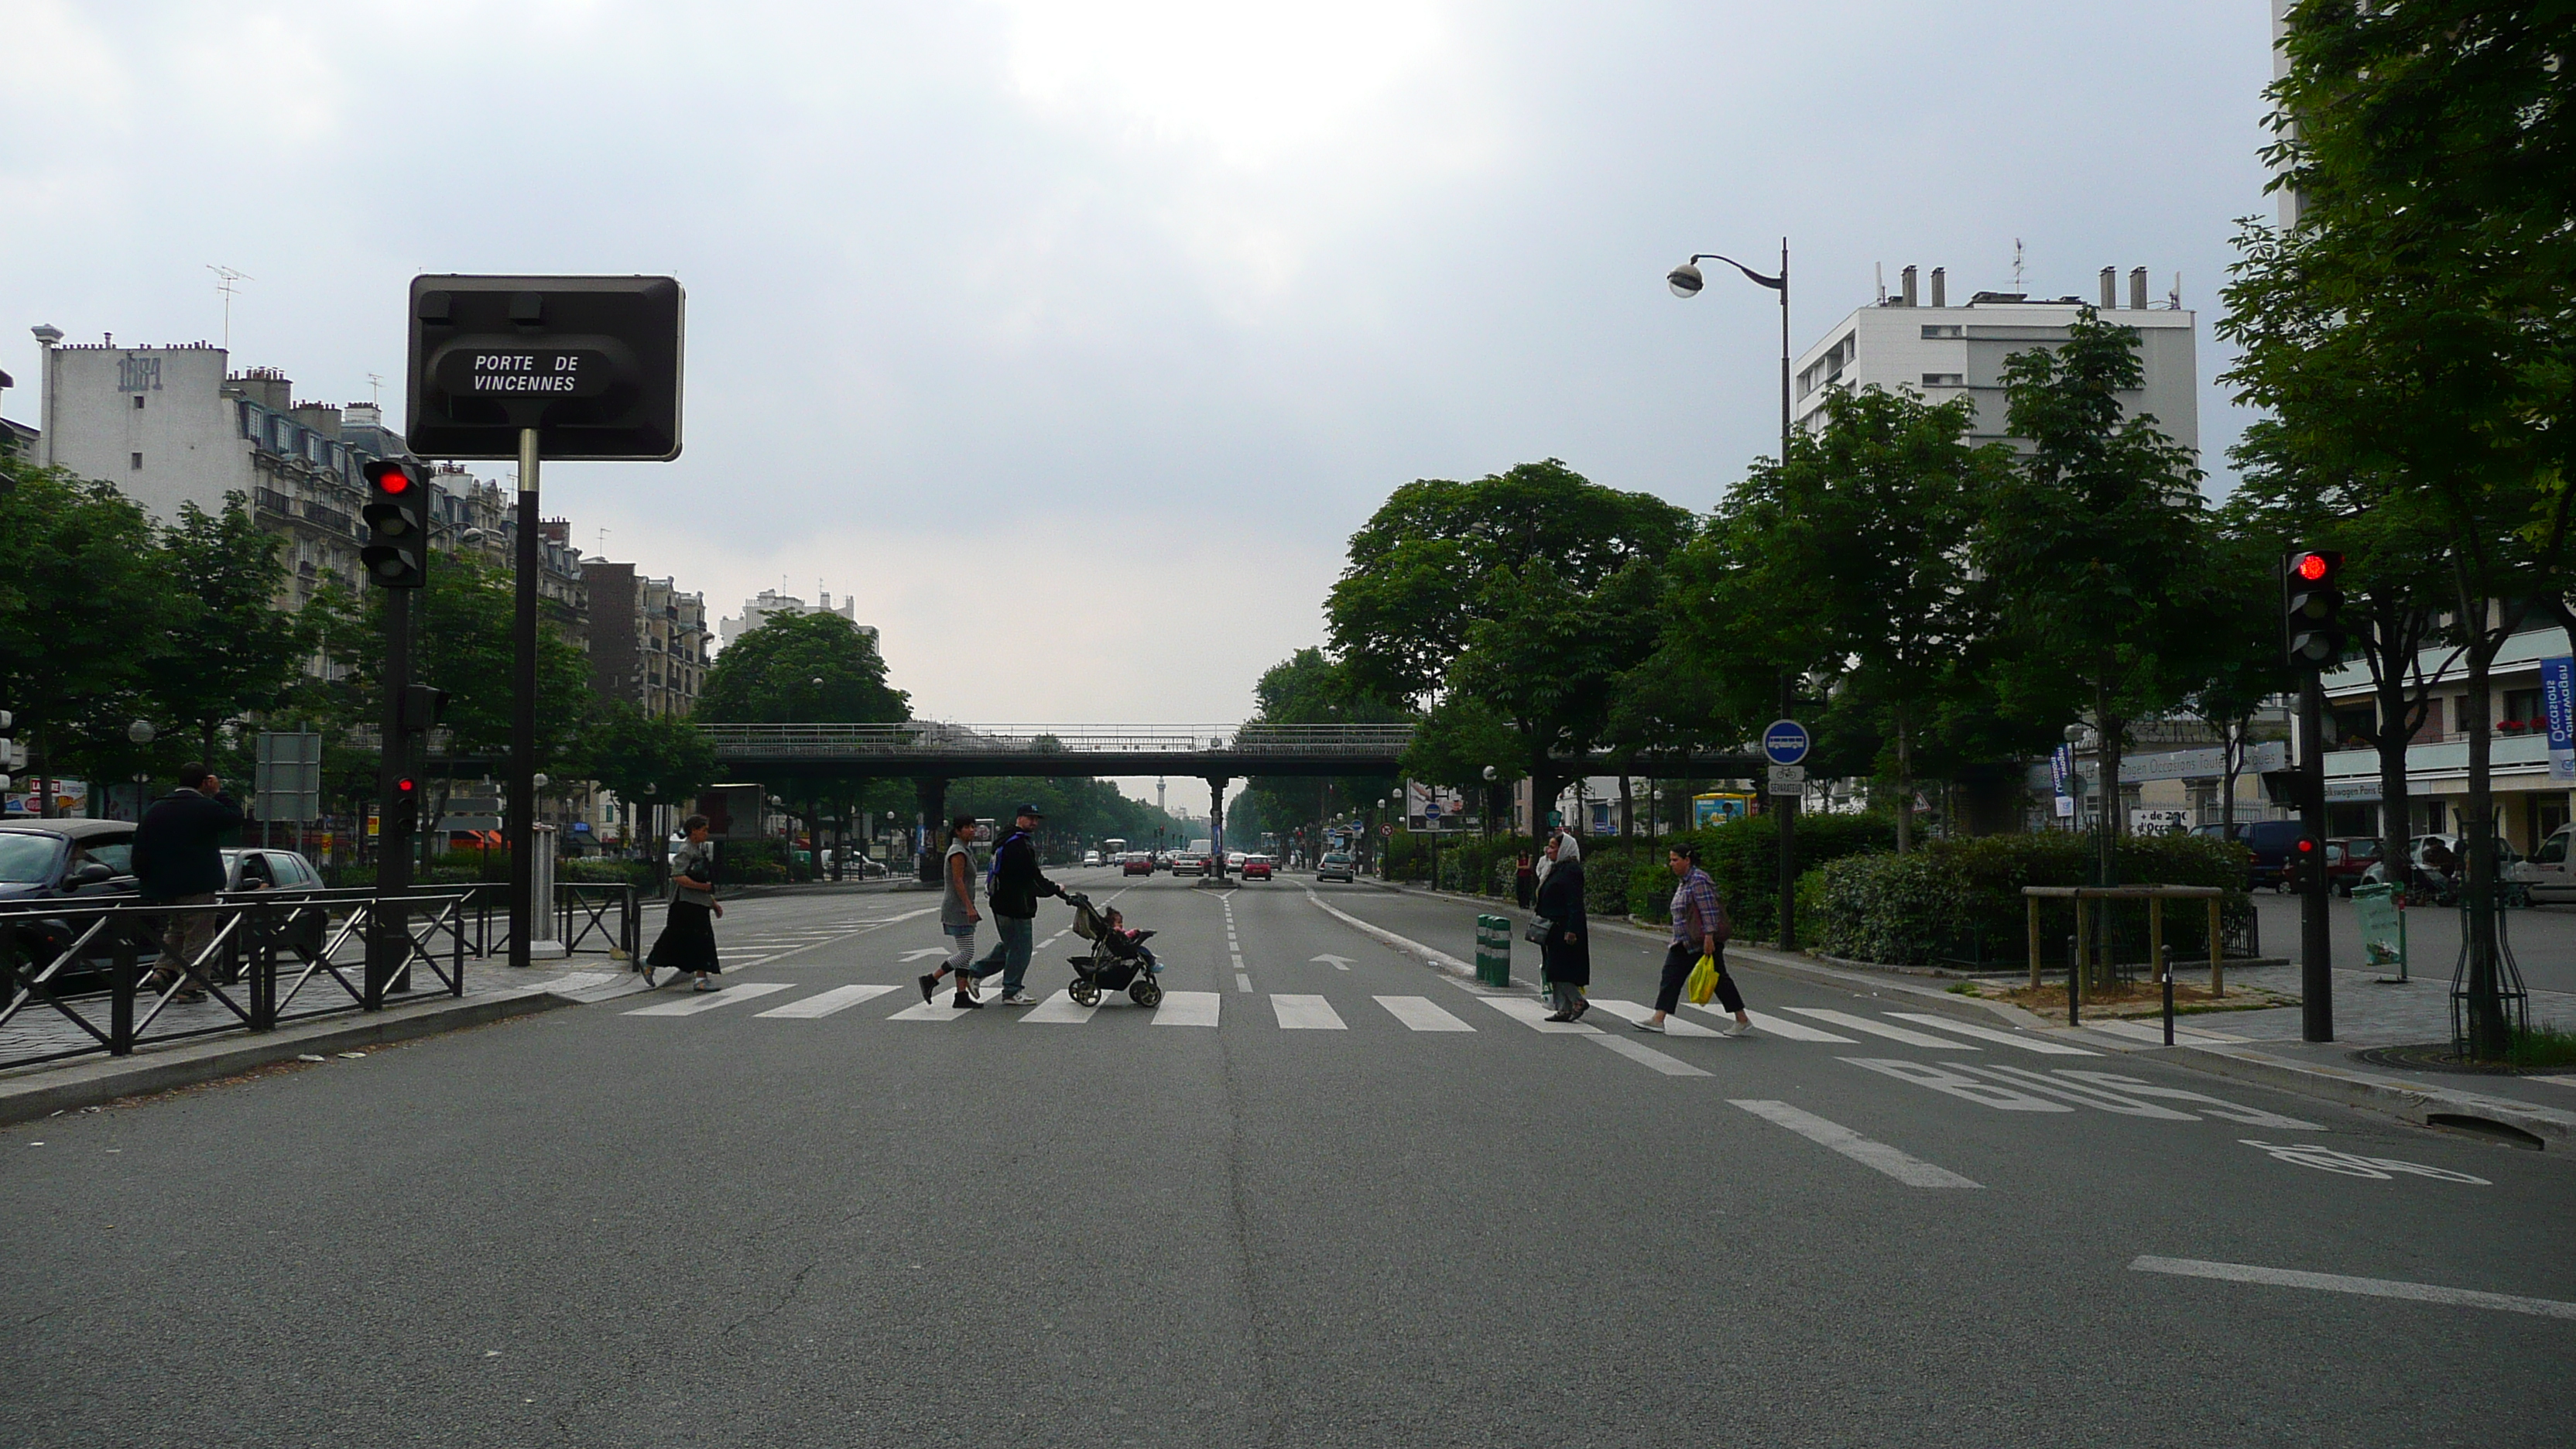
x: 97, y: 1082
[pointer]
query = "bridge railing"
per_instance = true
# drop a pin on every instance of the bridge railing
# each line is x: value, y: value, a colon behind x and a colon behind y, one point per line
x: 943, y: 737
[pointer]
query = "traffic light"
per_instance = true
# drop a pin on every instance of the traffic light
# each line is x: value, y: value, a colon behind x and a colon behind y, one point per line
x: 8, y: 748
x: 397, y: 514
x: 424, y: 705
x: 404, y: 807
x: 2312, y: 608
x: 2307, y: 865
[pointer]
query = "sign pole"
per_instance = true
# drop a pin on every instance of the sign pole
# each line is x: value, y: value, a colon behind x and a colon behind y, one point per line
x: 389, y: 946
x: 2316, y: 973
x: 523, y: 713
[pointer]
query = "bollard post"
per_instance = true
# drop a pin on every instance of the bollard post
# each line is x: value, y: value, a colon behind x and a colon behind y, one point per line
x: 2164, y: 963
x: 263, y: 969
x: 120, y: 997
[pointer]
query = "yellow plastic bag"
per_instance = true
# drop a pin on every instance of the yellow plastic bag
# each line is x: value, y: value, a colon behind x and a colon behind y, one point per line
x: 1702, y: 982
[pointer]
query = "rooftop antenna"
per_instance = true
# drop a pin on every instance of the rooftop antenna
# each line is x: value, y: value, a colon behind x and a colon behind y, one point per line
x: 2017, y: 264
x: 376, y: 389
x: 225, y: 278
x: 2173, y: 299
x: 1882, y: 282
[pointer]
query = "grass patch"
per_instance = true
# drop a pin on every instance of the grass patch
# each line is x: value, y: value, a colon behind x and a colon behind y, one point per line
x: 1964, y: 988
x: 2146, y: 998
x: 2546, y: 1045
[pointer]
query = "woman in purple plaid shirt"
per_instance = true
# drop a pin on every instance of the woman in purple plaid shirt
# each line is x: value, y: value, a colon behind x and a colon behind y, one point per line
x: 1699, y: 929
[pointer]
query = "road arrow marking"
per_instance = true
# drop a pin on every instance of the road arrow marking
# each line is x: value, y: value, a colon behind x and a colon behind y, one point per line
x: 1340, y: 963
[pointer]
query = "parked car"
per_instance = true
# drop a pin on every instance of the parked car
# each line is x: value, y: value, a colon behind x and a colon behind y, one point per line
x: 1335, y: 866
x: 1137, y: 862
x: 1257, y: 867
x: 2549, y: 872
x: 72, y: 861
x: 265, y: 872
x: 2348, y: 857
x: 1186, y: 864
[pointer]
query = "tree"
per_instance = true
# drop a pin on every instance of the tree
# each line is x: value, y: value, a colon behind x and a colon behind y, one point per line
x: 85, y: 601
x: 802, y: 669
x: 647, y: 759
x: 2413, y: 327
x: 1529, y: 591
x: 1308, y: 689
x: 2095, y: 542
x: 230, y: 650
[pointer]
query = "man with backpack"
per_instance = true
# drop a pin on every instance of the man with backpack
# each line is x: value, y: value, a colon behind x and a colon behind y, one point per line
x: 1012, y: 885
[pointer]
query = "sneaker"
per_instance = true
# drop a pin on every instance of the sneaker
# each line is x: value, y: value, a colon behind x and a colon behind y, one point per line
x: 707, y: 983
x: 965, y: 1000
x: 1018, y: 998
x: 1741, y: 1028
x: 1647, y: 1026
x: 929, y: 988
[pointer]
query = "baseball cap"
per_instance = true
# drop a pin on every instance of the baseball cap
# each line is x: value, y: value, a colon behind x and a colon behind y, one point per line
x: 1031, y: 811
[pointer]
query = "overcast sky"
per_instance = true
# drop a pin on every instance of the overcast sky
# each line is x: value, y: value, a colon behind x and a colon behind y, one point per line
x: 1076, y: 338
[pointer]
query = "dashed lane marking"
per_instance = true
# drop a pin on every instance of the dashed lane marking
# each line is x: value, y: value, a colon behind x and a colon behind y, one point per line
x: 2366, y: 1287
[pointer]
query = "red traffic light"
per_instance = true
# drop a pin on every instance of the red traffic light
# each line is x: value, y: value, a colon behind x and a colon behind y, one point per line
x: 406, y: 785
x: 2306, y: 846
x: 389, y: 477
x: 2314, y: 566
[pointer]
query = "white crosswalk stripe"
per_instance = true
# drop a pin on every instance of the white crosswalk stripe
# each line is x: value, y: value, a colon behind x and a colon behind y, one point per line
x: 1639, y: 1011
x: 733, y: 995
x: 823, y: 1004
x: 1188, y: 1008
x: 1418, y: 1014
x: 1534, y: 1014
x: 1907, y: 1035
x: 1059, y: 1009
x: 2023, y: 1040
x: 1912, y: 1171
x: 1306, y: 1013
x: 1781, y: 1026
x: 1637, y: 1051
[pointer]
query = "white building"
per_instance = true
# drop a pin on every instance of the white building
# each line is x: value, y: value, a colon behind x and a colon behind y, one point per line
x: 1941, y: 352
x: 757, y: 611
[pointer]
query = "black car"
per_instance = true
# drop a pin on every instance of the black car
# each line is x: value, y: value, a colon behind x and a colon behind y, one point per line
x: 74, y: 862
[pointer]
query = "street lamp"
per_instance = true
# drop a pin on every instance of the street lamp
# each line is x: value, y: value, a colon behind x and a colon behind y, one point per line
x: 141, y: 732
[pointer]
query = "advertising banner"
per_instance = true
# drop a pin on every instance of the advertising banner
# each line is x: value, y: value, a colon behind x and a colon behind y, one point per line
x: 1435, y: 807
x: 2558, y: 697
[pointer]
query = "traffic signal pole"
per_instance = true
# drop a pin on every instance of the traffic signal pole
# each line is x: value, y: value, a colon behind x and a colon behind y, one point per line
x: 2316, y: 971
x: 389, y: 945
x: 522, y: 821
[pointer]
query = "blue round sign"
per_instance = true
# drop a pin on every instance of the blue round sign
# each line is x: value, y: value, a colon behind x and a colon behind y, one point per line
x: 1785, y: 741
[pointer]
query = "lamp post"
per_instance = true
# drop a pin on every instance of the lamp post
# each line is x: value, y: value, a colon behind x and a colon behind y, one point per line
x: 140, y: 733
x: 1686, y: 282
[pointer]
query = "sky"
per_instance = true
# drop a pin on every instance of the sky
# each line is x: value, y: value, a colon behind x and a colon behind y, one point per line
x: 1075, y: 337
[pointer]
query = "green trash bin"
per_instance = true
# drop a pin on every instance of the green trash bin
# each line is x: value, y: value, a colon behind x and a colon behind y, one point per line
x: 1494, y: 950
x: 2383, y: 928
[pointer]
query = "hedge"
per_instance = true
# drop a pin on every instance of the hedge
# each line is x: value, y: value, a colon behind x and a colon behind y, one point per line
x: 1960, y: 901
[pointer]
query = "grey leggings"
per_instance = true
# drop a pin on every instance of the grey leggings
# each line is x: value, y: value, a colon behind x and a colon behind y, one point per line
x: 1565, y: 994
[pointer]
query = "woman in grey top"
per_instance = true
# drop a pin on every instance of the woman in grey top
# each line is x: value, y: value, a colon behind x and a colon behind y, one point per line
x: 957, y: 915
x: 688, y: 939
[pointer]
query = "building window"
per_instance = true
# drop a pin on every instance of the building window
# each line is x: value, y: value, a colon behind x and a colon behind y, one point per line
x: 138, y: 460
x: 1949, y: 329
x: 1944, y: 379
x: 138, y: 401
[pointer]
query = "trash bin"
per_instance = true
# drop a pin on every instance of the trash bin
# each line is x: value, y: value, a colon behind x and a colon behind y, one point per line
x: 2383, y: 927
x: 1494, y: 950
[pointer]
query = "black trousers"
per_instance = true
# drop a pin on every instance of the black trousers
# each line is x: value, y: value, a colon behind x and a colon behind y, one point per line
x: 1678, y: 962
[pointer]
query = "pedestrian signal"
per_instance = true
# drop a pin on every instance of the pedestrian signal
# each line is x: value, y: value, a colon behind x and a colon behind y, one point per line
x: 2312, y: 608
x: 396, y: 553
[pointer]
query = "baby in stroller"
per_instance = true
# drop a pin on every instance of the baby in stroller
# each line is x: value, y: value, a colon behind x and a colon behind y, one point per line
x: 1119, y: 959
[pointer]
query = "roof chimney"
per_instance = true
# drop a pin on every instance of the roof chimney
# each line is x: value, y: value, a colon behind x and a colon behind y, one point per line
x: 1940, y: 292
x: 1908, y: 274
x: 2110, y: 288
x: 2138, y: 288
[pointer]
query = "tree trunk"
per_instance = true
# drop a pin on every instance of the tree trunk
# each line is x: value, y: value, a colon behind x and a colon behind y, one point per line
x: 2395, y: 829
x: 2111, y: 727
x: 2488, y: 1036
x: 1904, y: 784
x: 2231, y: 758
x: 1627, y: 813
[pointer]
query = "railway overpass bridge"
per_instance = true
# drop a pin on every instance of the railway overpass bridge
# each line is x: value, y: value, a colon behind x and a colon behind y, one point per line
x: 931, y: 753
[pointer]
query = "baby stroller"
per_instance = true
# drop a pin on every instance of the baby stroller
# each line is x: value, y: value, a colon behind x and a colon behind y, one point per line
x: 1113, y: 964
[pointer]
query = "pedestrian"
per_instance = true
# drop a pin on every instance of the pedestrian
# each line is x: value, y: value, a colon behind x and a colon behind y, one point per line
x: 688, y: 939
x: 1524, y: 880
x: 1012, y: 885
x: 1700, y: 928
x: 957, y: 915
x: 178, y: 860
x: 1565, y: 957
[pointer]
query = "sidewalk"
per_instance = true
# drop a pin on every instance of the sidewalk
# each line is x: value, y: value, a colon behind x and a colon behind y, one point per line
x: 2257, y: 1046
x: 493, y: 992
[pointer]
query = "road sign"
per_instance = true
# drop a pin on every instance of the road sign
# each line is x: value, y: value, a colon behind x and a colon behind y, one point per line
x: 591, y: 363
x: 287, y: 775
x: 1785, y: 741
x: 1788, y: 779
x: 1386, y: 830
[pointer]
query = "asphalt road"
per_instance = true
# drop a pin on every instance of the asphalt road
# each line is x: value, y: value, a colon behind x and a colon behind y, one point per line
x: 1310, y: 1223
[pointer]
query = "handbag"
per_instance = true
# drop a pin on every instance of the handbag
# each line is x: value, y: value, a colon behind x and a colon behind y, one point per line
x: 1538, y: 930
x: 1702, y: 982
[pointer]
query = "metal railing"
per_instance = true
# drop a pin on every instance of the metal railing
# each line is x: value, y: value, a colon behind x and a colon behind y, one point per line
x: 942, y: 737
x: 73, y: 978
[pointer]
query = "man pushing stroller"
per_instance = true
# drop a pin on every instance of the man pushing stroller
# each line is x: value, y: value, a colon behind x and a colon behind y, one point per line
x: 1012, y: 886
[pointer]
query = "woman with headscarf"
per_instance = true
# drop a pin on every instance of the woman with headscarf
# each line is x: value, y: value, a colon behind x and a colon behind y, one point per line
x: 1566, y: 956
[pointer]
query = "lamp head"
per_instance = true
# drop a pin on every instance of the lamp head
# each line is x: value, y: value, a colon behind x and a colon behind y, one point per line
x: 47, y: 334
x: 1491, y: 772
x: 1685, y: 280
x: 140, y: 732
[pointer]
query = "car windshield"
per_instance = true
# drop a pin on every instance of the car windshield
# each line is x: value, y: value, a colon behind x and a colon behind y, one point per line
x: 26, y: 858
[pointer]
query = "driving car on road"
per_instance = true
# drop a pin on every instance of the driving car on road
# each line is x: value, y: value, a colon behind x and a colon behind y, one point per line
x: 1187, y: 864
x: 1138, y: 862
x: 1334, y: 866
x: 1257, y: 867
x: 1091, y: 857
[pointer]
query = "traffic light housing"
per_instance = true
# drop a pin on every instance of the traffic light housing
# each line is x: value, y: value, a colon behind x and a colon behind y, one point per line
x: 404, y: 806
x: 424, y: 706
x: 8, y: 748
x: 2313, y: 632
x: 2307, y: 864
x: 396, y: 553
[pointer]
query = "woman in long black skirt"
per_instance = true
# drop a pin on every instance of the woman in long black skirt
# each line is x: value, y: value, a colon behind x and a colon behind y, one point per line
x: 688, y: 939
x: 1566, y: 957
